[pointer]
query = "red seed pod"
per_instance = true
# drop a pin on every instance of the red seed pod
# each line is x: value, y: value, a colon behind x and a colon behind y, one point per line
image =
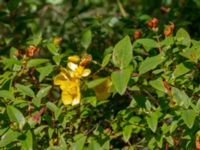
x: 150, y: 24
x: 154, y: 21
x: 137, y: 34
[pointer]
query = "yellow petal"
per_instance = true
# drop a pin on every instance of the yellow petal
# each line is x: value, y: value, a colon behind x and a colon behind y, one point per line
x: 79, y: 71
x: 77, y: 99
x: 60, y: 78
x: 72, y: 66
x: 86, y: 72
x: 66, y: 98
x: 74, y: 58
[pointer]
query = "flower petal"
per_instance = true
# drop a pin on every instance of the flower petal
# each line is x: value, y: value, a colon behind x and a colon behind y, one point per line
x: 86, y: 72
x: 60, y: 78
x: 72, y: 66
x: 66, y: 98
x: 77, y: 99
x: 74, y: 58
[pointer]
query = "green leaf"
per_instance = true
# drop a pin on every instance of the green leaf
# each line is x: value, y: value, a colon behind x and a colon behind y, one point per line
x: 16, y: 116
x: 188, y: 117
x: 121, y: 78
x: 27, y: 143
x: 79, y: 144
x: 122, y: 53
x: 146, y: 43
x: 25, y: 90
x: 192, y: 54
x: 170, y: 140
x: 183, y: 38
x: 86, y: 39
x: 95, y: 82
x: 182, y: 68
x: 152, y: 120
x: 127, y: 130
x: 94, y: 145
x: 9, y: 137
x: 57, y: 59
x: 180, y: 97
x: 44, y: 71
x: 36, y: 62
x: 7, y: 95
x: 158, y: 84
x: 106, y: 60
x: 151, y: 63
x: 41, y: 94
x: 52, y: 48
x: 54, y: 109
x: 35, y: 40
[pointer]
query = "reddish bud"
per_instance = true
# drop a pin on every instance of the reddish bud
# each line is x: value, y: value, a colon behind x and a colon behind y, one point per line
x: 154, y: 20
x: 167, y: 31
x: 37, y: 115
x: 150, y: 24
x: 137, y: 34
x: 153, y: 23
x: 31, y: 50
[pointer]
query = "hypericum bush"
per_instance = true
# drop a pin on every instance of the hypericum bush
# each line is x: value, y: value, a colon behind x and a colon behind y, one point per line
x: 115, y: 74
x: 144, y: 94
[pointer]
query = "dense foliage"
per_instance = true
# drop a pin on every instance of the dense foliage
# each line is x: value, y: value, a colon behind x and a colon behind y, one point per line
x: 95, y: 74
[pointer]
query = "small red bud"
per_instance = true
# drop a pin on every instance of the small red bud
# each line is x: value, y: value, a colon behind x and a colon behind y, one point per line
x: 137, y: 34
x: 31, y: 50
x: 167, y: 31
x: 150, y: 24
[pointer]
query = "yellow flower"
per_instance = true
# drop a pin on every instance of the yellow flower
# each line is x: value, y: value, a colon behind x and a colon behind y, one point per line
x: 71, y: 93
x: 69, y: 82
x: 78, y: 71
